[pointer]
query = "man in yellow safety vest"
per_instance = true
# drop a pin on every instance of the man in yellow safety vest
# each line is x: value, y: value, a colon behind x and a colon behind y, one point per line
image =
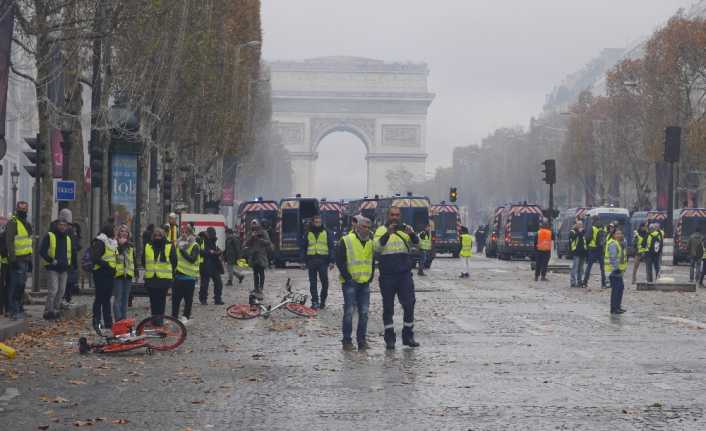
x: 424, y: 250
x: 354, y: 260
x: 56, y: 252
x: 18, y: 241
x: 318, y: 257
x: 616, y: 262
x: 466, y: 250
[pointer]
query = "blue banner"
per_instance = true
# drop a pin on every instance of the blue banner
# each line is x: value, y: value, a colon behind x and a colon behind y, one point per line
x: 123, y: 195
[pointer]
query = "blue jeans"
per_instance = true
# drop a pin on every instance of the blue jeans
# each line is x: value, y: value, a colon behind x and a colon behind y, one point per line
x: 121, y: 293
x: 577, y: 270
x: 616, y: 292
x: 16, y: 288
x: 595, y: 256
x: 355, y: 294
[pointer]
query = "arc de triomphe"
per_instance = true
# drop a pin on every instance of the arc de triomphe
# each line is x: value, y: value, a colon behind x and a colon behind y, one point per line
x: 383, y: 104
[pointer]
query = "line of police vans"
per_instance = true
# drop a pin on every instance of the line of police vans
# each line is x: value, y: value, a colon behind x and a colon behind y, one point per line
x: 286, y: 221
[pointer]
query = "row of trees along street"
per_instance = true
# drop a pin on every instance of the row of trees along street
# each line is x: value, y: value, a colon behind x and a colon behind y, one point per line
x: 609, y: 148
x: 187, y: 80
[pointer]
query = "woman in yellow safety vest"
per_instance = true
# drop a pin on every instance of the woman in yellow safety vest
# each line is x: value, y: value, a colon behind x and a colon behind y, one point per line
x: 159, y: 260
x: 466, y: 250
x: 187, y: 271
x: 124, y: 272
x: 103, y: 250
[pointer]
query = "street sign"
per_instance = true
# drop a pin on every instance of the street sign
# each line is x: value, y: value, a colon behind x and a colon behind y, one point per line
x: 65, y: 191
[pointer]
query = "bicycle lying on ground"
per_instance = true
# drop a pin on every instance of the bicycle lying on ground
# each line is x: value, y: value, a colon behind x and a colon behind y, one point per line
x: 292, y: 302
x: 153, y: 333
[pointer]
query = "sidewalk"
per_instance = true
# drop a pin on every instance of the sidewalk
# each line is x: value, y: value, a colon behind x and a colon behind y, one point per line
x: 10, y: 328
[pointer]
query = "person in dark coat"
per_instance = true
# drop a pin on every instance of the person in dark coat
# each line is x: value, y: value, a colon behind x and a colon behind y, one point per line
x: 232, y: 253
x: 213, y: 268
x: 103, y: 249
x: 56, y: 253
x: 258, y: 248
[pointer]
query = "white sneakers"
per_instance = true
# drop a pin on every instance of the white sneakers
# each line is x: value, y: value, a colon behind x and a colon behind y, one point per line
x: 184, y: 320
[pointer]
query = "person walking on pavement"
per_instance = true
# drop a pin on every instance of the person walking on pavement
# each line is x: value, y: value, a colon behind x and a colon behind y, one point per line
x: 4, y: 305
x: 425, y: 246
x: 56, y: 252
x: 74, y: 232
x: 578, y: 251
x: 616, y: 262
x: 213, y: 269
x: 187, y: 271
x: 480, y: 238
x: 654, y: 252
x: 703, y: 264
x: 103, y: 255
x: 231, y: 255
x: 258, y: 248
x: 695, y: 246
x: 640, y: 241
x: 596, y: 244
x: 354, y: 259
x: 393, y: 245
x: 124, y: 272
x: 18, y: 242
x: 466, y: 250
x: 543, y: 251
x: 317, y: 245
x: 159, y: 260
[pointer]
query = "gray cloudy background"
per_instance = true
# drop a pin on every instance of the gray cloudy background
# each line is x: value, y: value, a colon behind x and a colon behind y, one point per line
x: 492, y: 61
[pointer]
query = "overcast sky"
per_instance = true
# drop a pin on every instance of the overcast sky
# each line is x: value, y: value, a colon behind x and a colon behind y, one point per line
x: 492, y: 61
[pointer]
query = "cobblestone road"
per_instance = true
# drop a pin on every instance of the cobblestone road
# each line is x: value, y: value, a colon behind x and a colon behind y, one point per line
x: 498, y: 353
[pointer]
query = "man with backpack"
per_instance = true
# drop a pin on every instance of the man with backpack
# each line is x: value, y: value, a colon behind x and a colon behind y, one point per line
x: 654, y: 251
x: 596, y: 243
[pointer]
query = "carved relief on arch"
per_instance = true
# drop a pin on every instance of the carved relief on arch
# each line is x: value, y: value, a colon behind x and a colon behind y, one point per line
x: 363, y: 128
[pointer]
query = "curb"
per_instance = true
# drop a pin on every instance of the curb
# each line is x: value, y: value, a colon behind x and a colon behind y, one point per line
x: 10, y: 328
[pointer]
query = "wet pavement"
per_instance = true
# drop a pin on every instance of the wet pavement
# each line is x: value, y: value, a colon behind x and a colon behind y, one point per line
x: 499, y: 352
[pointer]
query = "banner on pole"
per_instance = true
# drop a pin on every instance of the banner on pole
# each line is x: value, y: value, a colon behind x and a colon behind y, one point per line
x: 123, y: 197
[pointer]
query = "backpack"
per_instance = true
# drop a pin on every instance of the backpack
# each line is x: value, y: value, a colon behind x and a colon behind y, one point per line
x: 87, y: 260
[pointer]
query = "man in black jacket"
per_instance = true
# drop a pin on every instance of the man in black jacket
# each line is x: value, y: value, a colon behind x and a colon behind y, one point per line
x: 56, y: 252
x: 317, y: 246
x: 212, y: 269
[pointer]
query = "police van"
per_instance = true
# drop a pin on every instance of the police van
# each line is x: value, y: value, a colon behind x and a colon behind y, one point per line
x: 332, y: 217
x: 686, y: 221
x: 367, y: 207
x: 566, y: 223
x: 446, y: 225
x: 491, y: 239
x: 263, y: 211
x: 294, y: 215
x: 518, y: 229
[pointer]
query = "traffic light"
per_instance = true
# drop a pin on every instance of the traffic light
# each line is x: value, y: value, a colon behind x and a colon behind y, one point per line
x: 453, y: 194
x: 96, y: 154
x: 549, y: 171
x: 167, y: 187
x: 36, y: 157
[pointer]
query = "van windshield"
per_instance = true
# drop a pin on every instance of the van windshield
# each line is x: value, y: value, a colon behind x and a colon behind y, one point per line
x: 445, y: 225
x: 418, y: 218
x: 331, y: 220
x: 525, y: 223
x: 689, y: 225
x: 290, y: 221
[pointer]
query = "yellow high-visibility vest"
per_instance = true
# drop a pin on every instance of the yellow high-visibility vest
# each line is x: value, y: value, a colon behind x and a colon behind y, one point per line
x: 184, y: 266
x: 425, y: 243
x: 23, y: 243
x: 127, y: 269
x: 396, y: 244
x: 109, y: 256
x: 317, y: 246
x: 466, y: 245
x: 622, y: 258
x: 52, y: 248
x: 157, y: 269
x: 359, y: 258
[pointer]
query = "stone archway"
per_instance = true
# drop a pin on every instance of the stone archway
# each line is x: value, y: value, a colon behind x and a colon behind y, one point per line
x: 384, y: 104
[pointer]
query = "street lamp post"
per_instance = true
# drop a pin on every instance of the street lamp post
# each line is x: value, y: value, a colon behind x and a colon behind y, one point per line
x: 15, y: 177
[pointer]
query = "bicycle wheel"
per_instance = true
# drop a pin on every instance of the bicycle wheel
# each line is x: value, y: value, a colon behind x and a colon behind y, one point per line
x: 243, y: 311
x: 301, y: 310
x: 167, y: 336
